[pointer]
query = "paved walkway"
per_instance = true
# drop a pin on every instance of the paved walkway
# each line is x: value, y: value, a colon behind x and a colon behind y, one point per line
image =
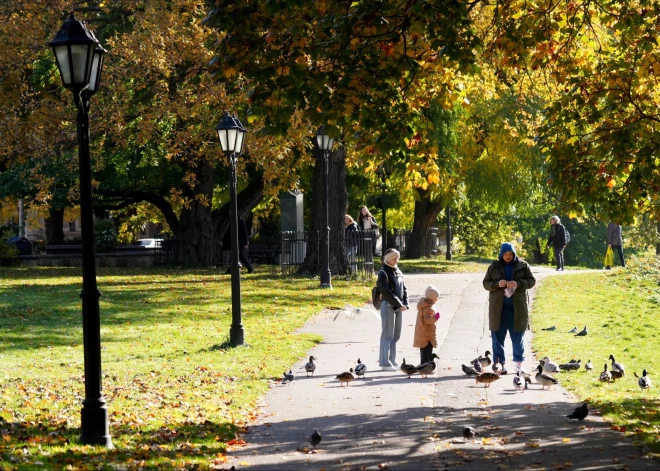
x: 387, y: 421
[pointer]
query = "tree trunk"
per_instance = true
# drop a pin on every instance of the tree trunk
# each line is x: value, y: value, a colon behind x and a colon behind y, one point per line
x: 426, y: 215
x: 195, y: 235
x: 54, y: 225
x: 246, y: 201
x: 337, y: 206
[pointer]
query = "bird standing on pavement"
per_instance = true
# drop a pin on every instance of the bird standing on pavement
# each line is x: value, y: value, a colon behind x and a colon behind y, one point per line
x: 468, y: 433
x: 644, y: 382
x: 352, y: 311
x: 519, y: 382
x: 485, y: 360
x: 315, y: 438
x: 287, y: 377
x: 582, y: 333
x: 476, y: 364
x: 580, y: 412
x: 408, y: 369
x: 617, y: 366
x: 360, y: 369
x: 428, y: 367
x: 497, y: 368
x: 468, y: 370
x: 544, y: 379
x: 486, y: 378
x: 310, y: 367
x: 345, y: 377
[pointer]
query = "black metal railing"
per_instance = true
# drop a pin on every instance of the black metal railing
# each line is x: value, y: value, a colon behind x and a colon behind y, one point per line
x: 304, y: 249
x: 401, y: 241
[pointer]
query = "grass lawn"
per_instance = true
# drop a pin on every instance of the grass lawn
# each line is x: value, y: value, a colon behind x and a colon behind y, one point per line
x: 459, y: 263
x: 620, y: 309
x: 177, y: 395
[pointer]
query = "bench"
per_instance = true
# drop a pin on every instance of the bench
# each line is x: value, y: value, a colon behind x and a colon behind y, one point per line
x: 262, y: 253
x: 63, y: 249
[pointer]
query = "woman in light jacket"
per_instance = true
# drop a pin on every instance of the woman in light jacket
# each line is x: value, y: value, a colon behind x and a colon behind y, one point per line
x: 395, y: 302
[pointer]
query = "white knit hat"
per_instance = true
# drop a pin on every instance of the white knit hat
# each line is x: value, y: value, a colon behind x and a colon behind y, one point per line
x: 431, y: 293
x: 390, y: 255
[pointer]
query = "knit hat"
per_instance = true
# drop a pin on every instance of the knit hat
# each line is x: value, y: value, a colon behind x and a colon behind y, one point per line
x: 507, y: 247
x: 390, y: 255
x: 431, y: 293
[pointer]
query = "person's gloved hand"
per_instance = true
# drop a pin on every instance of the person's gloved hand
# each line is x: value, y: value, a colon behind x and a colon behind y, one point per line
x: 437, y: 316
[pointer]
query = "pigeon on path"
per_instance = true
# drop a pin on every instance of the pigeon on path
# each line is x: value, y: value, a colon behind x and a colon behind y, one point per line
x: 310, y: 366
x: 470, y: 371
x: 287, y: 377
x: 468, y: 433
x: 580, y: 412
x: 315, y: 438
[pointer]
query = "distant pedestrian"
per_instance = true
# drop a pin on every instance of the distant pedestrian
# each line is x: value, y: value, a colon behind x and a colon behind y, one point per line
x: 615, y: 241
x: 351, y: 235
x: 243, y: 245
x: 558, y: 240
x: 395, y: 302
x: 508, y: 280
x: 426, y: 338
x: 366, y: 222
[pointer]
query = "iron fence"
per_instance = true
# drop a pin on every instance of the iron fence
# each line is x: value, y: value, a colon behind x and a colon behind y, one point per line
x: 303, y: 248
x: 401, y: 240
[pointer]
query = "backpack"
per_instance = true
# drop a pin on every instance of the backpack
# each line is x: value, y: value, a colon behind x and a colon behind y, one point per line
x: 567, y: 237
x: 376, y: 297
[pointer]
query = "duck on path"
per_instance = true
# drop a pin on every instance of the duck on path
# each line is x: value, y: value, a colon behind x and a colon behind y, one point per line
x: 520, y: 382
x: 310, y: 366
x: 486, y: 378
x: 360, y: 369
x: 427, y: 368
x: 544, y: 379
x: 345, y: 377
x: 484, y: 360
x: 408, y: 369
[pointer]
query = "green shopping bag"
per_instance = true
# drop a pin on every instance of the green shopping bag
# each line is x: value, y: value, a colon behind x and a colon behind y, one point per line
x: 609, y: 257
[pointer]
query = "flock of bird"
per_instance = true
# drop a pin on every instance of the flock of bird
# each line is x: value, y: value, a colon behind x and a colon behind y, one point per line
x: 544, y: 372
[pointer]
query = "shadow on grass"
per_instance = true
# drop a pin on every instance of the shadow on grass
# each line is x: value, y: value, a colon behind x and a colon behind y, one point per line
x: 178, y: 446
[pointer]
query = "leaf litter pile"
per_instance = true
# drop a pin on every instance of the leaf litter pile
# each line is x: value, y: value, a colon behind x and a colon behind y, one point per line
x: 179, y: 397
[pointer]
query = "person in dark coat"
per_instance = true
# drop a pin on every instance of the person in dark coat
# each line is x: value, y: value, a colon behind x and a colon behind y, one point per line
x: 352, y: 238
x: 615, y: 241
x: 243, y: 245
x: 508, y: 280
x: 558, y: 240
x: 395, y: 302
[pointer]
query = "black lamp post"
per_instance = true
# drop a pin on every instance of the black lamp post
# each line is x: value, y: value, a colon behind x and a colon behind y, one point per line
x: 385, y: 171
x: 448, y: 255
x: 325, y: 143
x: 80, y: 61
x: 232, y: 135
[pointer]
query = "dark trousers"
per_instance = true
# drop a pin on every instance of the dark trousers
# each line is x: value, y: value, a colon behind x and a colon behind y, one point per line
x: 559, y: 257
x: 425, y: 353
x: 618, y: 249
x: 243, y: 258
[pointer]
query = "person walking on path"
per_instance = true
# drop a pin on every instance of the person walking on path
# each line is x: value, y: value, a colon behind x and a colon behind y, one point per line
x: 615, y: 241
x: 395, y: 302
x: 243, y: 244
x: 426, y: 338
x: 508, y: 280
x: 558, y: 240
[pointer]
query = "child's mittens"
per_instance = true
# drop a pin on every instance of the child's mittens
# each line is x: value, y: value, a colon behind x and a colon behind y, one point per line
x: 437, y: 316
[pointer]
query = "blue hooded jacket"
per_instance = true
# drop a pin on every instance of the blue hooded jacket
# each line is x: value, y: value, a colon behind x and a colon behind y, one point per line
x: 508, y: 267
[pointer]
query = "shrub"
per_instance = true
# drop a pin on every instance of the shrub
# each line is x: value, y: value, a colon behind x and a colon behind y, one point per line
x: 105, y: 235
x: 8, y: 252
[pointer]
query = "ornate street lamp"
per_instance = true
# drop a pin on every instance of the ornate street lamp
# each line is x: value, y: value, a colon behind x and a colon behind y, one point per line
x: 80, y: 60
x: 325, y: 143
x: 232, y: 135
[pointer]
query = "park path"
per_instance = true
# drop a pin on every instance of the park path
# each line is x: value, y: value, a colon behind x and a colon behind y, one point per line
x: 387, y: 421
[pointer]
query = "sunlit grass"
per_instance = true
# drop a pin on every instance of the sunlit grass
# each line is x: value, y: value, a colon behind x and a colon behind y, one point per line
x: 620, y: 310
x: 177, y: 393
x: 459, y: 263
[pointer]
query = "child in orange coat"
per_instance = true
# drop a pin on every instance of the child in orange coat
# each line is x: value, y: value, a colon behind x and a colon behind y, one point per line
x: 425, y: 336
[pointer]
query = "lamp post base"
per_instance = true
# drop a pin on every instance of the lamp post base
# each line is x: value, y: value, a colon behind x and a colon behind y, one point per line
x: 94, y: 424
x: 237, y: 336
x: 326, y: 286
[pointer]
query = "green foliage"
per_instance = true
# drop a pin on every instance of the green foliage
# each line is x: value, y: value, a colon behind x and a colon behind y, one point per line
x: 8, y: 252
x: 105, y: 235
x: 480, y: 231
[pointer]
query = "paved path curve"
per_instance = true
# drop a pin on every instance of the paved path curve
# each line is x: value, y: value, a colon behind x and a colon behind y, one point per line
x: 388, y: 420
